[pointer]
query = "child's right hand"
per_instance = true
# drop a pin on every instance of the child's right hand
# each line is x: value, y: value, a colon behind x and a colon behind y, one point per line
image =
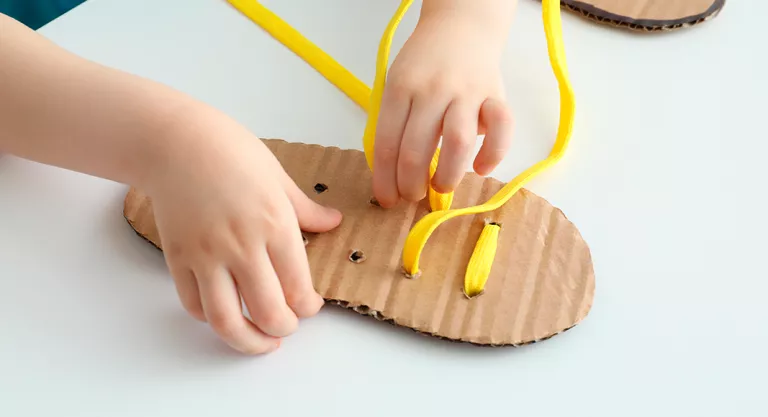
x: 229, y: 219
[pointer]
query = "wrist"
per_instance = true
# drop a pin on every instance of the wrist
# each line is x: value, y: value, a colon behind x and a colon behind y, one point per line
x: 187, y: 141
x: 490, y: 18
x: 169, y: 141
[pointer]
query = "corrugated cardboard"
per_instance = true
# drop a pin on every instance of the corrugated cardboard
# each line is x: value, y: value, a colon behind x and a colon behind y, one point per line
x: 541, y: 284
x: 647, y: 15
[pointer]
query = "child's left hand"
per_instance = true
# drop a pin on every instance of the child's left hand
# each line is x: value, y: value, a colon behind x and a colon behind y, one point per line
x: 445, y: 81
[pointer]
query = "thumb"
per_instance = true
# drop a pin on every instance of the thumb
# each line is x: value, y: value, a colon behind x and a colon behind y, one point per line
x: 312, y: 217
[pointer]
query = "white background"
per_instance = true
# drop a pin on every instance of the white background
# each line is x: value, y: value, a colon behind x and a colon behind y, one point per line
x: 665, y: 179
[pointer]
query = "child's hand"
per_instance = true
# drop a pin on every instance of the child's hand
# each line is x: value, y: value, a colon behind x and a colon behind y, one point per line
x: 229, y: 217
x: 227, y: 213
x: 445, y: 81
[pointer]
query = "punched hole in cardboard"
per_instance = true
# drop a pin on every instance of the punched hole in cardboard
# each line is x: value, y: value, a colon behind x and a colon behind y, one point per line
x: 320, y: 188
x: 469, y: 297
x: 356, y: 256
x: 408, y: 275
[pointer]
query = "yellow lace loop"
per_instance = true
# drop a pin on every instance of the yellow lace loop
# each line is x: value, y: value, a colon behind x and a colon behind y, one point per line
x: 479, y: 267
x: 379, y: 81
x: 369, y: 100
x: 422, y: 230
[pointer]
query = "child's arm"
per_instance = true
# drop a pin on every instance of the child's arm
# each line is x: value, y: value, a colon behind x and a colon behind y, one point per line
x: 445, y: 81
x: 494, y: 16
x: 227, y: 213
x: 62, y: 110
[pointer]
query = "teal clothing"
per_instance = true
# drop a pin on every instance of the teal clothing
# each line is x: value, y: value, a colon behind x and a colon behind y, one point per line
x: 36, y: 13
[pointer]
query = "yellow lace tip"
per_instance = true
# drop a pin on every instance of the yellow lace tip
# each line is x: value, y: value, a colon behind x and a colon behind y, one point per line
x: 479, y: 267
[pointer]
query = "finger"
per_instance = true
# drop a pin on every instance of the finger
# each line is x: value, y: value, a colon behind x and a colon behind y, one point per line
x: 459, y: 136
x: 313, y: 217
x: 498, y: 121
x: 263, y: 295
x: 221, y: 303
x: 289, y: 260
x: 395, y: 107
x: 189, y: 294
x: 422, y: 133
x: 501, y: 96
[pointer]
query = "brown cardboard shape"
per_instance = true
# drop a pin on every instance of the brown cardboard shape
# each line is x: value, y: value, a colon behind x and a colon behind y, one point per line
x: 647, y: 15
x: 541, y: 284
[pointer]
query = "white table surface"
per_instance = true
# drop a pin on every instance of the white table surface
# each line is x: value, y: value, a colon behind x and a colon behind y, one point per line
x: 664, y: 179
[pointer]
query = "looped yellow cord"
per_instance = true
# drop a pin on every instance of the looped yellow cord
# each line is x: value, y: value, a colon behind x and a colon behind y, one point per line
x: 369, y: 100
x: 437, y: 201
x: 477, y: 271
x: 421, y: 231
x: 379, y: 81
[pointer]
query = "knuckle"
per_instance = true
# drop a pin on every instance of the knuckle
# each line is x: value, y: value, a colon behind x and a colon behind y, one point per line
x: 195, y: 309
x: 304, y: 305
x: 401, y: 89
x: 410, y: 159
x: 275, y: 323
x: 401, y: 84
x: 474, y: 85
x: 275, y: 217
x: 500, y: 113
x: 387, y: 154
x: 206, y: 244
x: 457, y: 141
x: 229, y: 328
x: 175, y: 250
x: 413, y: 191
x: 243, y: 265
x: 439, y: 86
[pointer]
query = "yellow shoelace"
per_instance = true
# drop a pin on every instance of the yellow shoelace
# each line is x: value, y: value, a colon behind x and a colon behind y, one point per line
x: 480, y: 263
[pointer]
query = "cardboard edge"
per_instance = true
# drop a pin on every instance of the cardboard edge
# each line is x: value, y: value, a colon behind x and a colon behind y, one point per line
x: 593, y: 278
x: 367, y: 311
x: 641, y: 25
